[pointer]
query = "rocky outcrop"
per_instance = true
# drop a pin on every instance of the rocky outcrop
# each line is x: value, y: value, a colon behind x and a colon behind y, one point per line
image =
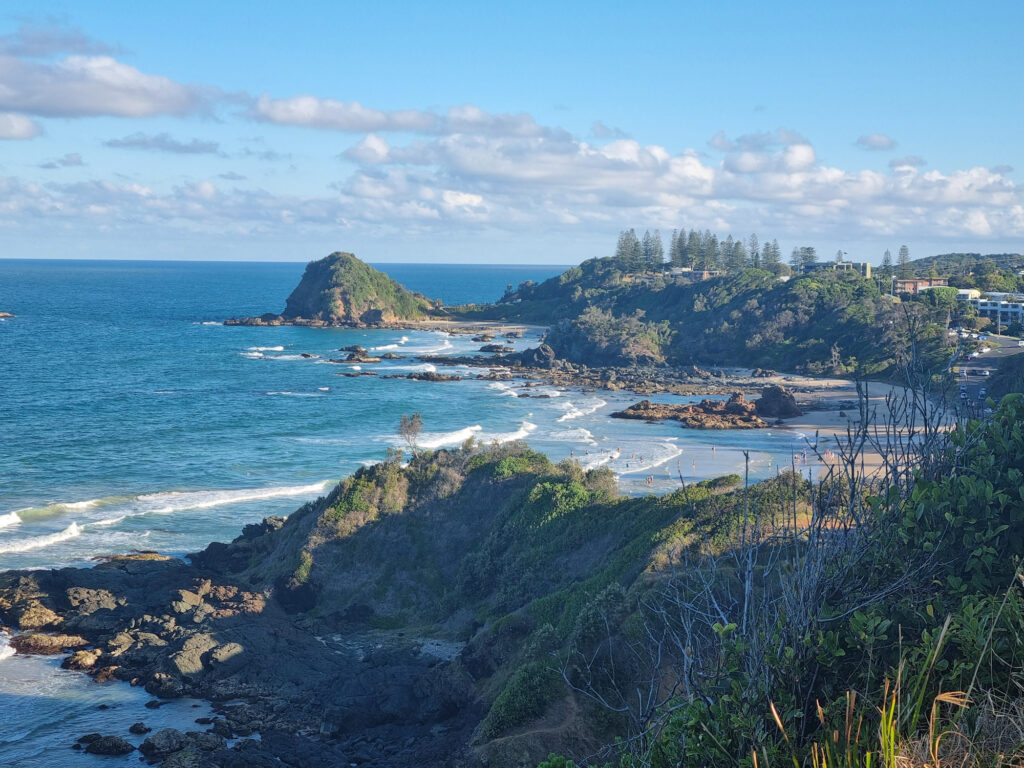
x: 341, y: 290
x: 46, y: 645
x: 501, y: 349
x: 734, y: 413
x: 109, y: 745
x: 776, y: 403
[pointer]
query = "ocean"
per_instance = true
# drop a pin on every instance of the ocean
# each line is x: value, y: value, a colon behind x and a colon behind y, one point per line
x: 132, y: 418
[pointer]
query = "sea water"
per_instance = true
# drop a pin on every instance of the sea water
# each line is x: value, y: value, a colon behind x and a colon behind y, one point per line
x: 132, y: 418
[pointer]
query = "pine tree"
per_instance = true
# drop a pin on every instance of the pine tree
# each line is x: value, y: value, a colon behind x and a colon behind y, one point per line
x: 839, y: 257
x: 754, y: 251
x: 796, y: 259
x: 772, y: 253
x: 808, y: 255
x: 675, y: 250
x: 656, y: 256
x: 887, y: 263
x: 692, y: 248
x: 629, y: 252
x: 903, y: 260
x: 711, y: 254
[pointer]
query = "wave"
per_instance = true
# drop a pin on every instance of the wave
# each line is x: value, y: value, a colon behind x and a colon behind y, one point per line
x: 284, y: 357
x: 573, y: 436
x: 502, y: 388
x: 208, y: 322
x: 252, y: 355
x: 433, y: 440
x: 525, y: 429
x: 670, y: 452
x: 356, y: 367
x: 424, y: 367
x: 60, y: 507
x: 298, y: 394
x: 265, y: 349
x: 11, y: 518
x: 37, y: 542
x: 324, y: 389
x: 574, y: 411
x: 5, y: 649
x: 176, y: 501
x: 434, y: 350
x: 383, y: 347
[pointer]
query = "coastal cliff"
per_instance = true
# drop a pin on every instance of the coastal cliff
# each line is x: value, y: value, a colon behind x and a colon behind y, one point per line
x: 341, y: 290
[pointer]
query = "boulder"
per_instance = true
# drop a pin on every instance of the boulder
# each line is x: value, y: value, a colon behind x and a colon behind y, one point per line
x: 734, y: 413
x: 163, y: 743
x: 46, y: 644
x: 82, y: 659
x: 139, y: 728
x: 776, y: 403
x: 109, y: 745
x: 32, y: 614
x: 499, y: 348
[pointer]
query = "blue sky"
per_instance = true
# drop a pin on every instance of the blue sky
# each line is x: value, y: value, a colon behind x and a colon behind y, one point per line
x: 527, y: 132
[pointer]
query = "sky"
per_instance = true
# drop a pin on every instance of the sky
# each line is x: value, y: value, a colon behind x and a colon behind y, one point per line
x: 523, y: 132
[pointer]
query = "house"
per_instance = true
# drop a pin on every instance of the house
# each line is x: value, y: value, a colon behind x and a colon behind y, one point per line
x: 917, y: 284
x: 1000, y: 308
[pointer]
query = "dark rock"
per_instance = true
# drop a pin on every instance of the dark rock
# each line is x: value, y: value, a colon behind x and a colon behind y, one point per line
x: 89, y: 738
x: 109, y: 745
x: 430, y: 376
x: 763, y: 373
x: 776, y: 403
x: 499, y: 348
x: 163, y: 743
x: 139, y: 728
x: 392, y: 356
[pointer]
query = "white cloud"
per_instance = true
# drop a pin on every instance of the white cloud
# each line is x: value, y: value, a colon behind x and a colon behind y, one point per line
x: 80, y: 86
x: 875, y: 141
x: 18, y: 126
x: 312, y: 112
x: 910, y: 161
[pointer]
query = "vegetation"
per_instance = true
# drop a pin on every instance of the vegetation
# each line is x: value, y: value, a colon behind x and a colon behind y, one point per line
x: 341, y: 289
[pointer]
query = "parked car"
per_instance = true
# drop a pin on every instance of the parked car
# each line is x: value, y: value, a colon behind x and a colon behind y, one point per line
x: 982, y: 392
x: 985, y: 349
x: 985, y: 373
x: 963, y: 394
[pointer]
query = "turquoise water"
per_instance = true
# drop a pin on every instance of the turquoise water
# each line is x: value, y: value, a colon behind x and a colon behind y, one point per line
x: 132, y: 418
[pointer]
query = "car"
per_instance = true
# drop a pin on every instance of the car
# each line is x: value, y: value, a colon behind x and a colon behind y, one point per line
x: 1020, y: 343
x: 985, y: 349
x: 974, y: 335
x: 951, y: 333
x: 963, y: 394
x: 982, y: 392
x: 985, y: 373
x: 982, y: 336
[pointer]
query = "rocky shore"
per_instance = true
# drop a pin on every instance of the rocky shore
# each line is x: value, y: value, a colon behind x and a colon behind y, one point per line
x: 314, y: 699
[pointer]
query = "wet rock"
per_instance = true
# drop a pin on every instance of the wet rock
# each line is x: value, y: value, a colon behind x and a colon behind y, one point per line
x: 82, y: 659
x: 776, y: 403
x: 32, y: 614
x: 139, y: 728
x: 763, y: 373
x: 46, y: 644
x: 163, y: 743
x: 499, y: 348
x: 109, y: 745
x: 164, y: 686
x: 734, y: 413
x: 89, y: 738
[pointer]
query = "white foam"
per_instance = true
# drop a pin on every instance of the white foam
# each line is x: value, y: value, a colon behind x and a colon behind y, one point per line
x: 110, y: 520
x: 5, y: 648
x: 525, y: 429
x: 11, y: 518
x: 574, y: 411
x: 284, y: 357
x: 383, y: 347
x: 666, y: 453
x: 38, y: 542
x: 579, y: 435
x: 434, y: 350
x: 431, y: 440
x: 324, y: 389
x: 176, y: 501
x: 502, y: 388
x: 424, y: 367
x: 265, y: 349
x: 356, y: 367
x: 252, y: 355
x: 209, y: 322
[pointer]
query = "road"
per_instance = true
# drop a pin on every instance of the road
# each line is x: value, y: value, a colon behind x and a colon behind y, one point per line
x: 971, y: 371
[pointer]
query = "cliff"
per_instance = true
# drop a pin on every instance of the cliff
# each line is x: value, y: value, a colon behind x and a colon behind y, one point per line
x: 342, y: 290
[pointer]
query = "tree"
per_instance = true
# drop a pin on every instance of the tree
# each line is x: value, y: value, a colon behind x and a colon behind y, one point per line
x: 653, y: 251
x: 692, y: 248
x: 808, y: 255
x: 409, y: 430
x: 796, y: 259
x: 839, y: 257
x: 754, y: 251
x: 675, y: 250
x: 887, y: 263
x: 629, y: 252
x: 903, y: 260
x: 772, y: 254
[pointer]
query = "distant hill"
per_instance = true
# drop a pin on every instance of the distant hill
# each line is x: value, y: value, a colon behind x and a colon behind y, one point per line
x: 342, y: 290
x: 828, y: 323
x: 964, y: 263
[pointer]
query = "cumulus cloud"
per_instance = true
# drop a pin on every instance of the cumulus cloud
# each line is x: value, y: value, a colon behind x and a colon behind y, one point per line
x: 601, y: 131
x: 80, y: 86
x: 18, y: 126
x: 70, y: 160
x: 875, y: 141
x: 163, y: 142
